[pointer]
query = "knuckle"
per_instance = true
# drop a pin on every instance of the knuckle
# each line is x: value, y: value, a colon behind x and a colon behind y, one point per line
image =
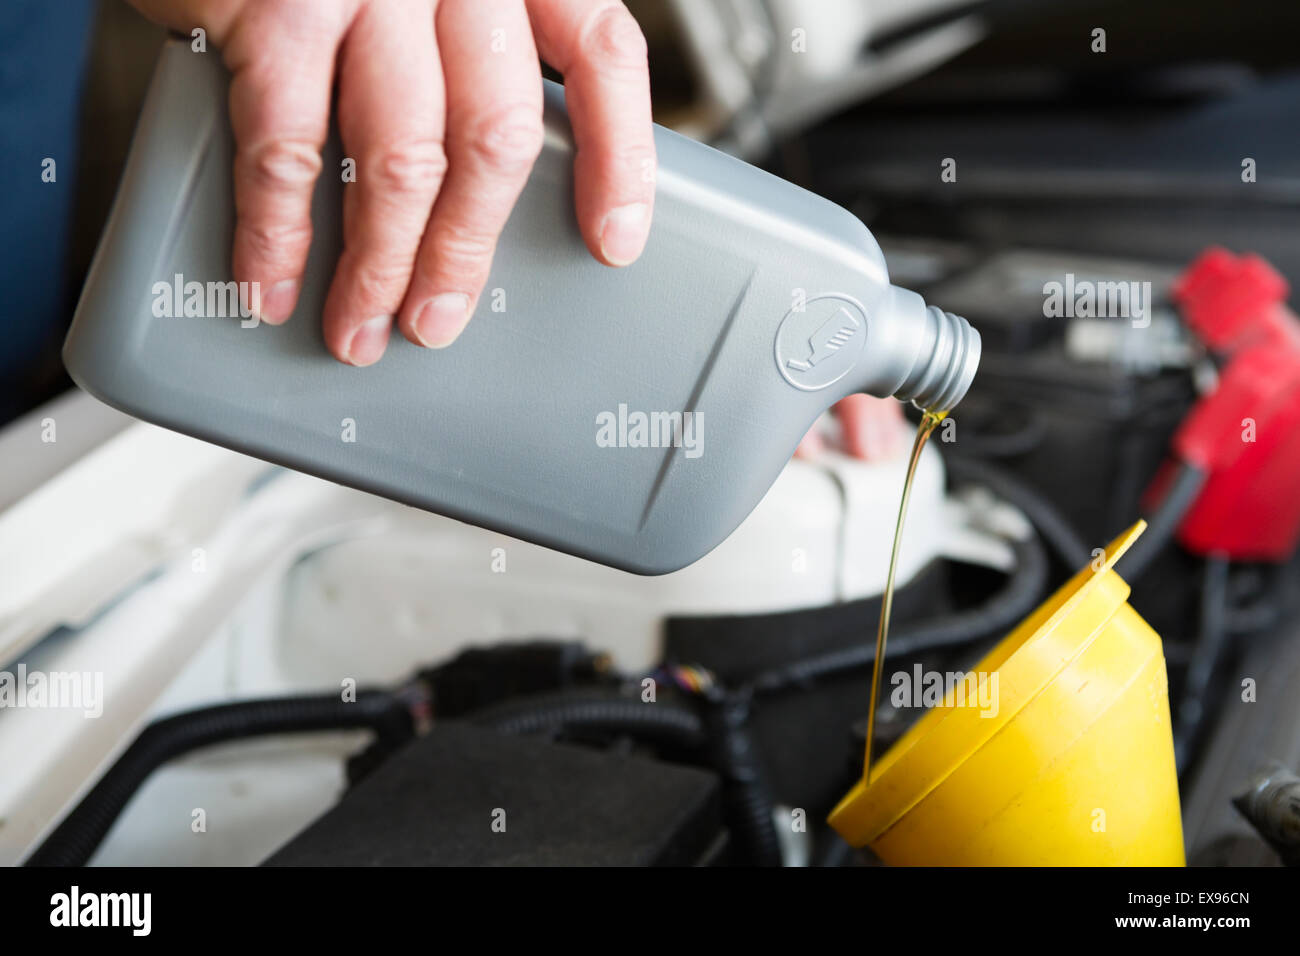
x: 381, y: 281
x: 286, y: 164
x: 614, y: 39
x: 509, y: 139
x: 463, y: 251
x: 632, y: 160
x: 414, y: 168
x: 272, y: 240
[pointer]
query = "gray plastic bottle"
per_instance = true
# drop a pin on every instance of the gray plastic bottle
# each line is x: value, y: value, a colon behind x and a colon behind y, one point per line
x: 632, y: 416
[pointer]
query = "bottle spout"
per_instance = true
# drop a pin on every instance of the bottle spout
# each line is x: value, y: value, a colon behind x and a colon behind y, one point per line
x: 938, y: 352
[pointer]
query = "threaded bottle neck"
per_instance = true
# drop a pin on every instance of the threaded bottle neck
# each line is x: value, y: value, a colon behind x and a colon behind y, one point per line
x: 946, y: 362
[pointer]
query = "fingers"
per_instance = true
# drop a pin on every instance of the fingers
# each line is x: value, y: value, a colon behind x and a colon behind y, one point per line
x: 871, y: 427
x: 397, y: 257
x: 599, y: 48
x: 217, y: 17
x: 282, y: 59
x: 494, y: 133
x: 391, y: 121
x: 811, y: 445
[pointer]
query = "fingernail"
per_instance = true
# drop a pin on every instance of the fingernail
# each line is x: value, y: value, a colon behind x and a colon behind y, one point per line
x: 278, y: 304
x: 623, y: 233
x: 368, y: 341
x: 441, y: 319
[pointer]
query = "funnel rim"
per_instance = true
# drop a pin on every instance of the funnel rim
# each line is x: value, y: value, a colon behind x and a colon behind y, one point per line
x: 904, y: 775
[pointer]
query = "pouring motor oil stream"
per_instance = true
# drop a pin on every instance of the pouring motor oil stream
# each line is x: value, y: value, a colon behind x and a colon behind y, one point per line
x: 928, y: 423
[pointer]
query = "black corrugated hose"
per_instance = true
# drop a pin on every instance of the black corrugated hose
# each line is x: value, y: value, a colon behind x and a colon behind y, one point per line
x: 746, y: 793
x: 1055, y: 529
x: 999, y: 614
x: 574, y: 710
x: 1060, y: 535
x: 723, y: 731
x: 77, y: 837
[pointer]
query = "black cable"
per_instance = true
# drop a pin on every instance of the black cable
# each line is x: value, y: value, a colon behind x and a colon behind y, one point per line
x: 989, y: 436
x: 1000, y: 613
x: 1164, y: 521
x: 830, y: 850
x: 1210, y: 639
x: 569, y: 710
x: 745, y: 789
x: 1260, y: 615
x: 1054, y: 527
x: 81, y: 832
x: 723, y: 730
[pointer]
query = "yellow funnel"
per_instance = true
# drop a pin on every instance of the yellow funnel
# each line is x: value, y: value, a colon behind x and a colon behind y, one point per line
x: 1074, y: 766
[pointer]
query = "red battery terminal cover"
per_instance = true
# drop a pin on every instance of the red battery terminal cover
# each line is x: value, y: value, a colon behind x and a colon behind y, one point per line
x: 1245, y: 435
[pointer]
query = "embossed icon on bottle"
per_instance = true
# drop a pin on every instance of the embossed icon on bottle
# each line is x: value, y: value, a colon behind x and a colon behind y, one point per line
x: 816, y: 346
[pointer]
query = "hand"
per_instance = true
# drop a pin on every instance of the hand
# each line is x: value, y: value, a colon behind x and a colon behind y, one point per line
x: 439, y: 103
x: 869, y: 429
